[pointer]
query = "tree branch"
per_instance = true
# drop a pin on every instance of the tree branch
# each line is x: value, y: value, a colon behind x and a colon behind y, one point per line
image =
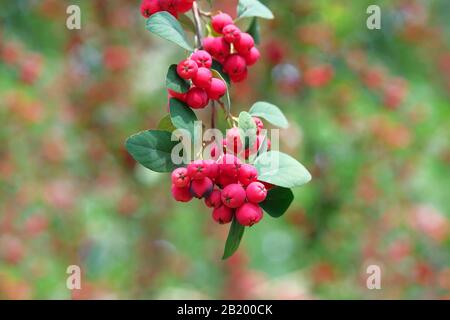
x: 198, y: 24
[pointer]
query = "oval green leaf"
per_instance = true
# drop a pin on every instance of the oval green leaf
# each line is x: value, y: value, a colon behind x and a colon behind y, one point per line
x: 164, y: 25
x: 269, y: 112
x: 281, y: 170
x: 253, y: 8
x: 165, y: 124
x: 278, y: 201
x: 175, y: 82
x: 182, y: 116
x: 234, y: 239
x: 152, y: 149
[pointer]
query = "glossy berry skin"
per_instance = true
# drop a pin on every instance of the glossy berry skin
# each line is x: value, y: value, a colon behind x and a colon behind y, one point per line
x: 221, y: 49
x: 224, y: 180
x: 202, y: 58
x: 235, y: 65
x: 170, y: 6
x: 214, y: 200
x: 180, y: 178
x: 249, y: 214
x: 177, y: 95
x: 252, y: 56
x: 233, y: 195
x: 201, y: 188
x: 239, y: 77
x: 197, y: 170
x: 197, y: 98
x: 220, y: 21
x: 208, y: 45
x: 233, y: 140
x: 203, y: 78
x: 229, y: 165
x: 149, y: 7
x: 256, y: 192
x: 184, y: 5
x: 181, y: 194
x: 231, y: 33
x: 212, y: 169
x: 187, y: 69
x: 247, y: 174
x: 217, y: 89
x: 244, y: 44
x: 223, y: 214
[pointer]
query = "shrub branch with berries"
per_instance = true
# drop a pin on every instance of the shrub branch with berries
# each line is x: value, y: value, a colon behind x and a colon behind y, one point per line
x: 239, y: 176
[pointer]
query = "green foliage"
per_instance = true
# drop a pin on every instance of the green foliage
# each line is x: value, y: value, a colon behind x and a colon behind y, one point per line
x: 234, y: 239
x: 278, y: 201
x: 164, y: 25
x: 254, y: 30
x: 247, y: 129
x: 175, y: 82
x: 182, y: 116
x: 253, y: 8
x: 269, y: 112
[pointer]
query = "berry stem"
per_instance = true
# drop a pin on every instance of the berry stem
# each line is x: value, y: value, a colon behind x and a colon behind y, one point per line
x: 198, y: 25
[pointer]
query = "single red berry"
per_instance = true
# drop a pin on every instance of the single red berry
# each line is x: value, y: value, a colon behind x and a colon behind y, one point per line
x: 187, y: 69
x: 220, y: 21
x: 208, y: 44
x: 214, y: 200
x: 239, y: 77
x: 201, y: 188
x: 197, y: 170
x: 221, y: 49
x: 247, y: 174
x: 177, y: 95
x: 180, y: 178
x: 224, y: 180
x: 235, y: 65
x: 223, y: 214
x: 259, y: 124
x: 231, y: 33
x: 184, y: 5
x: 212, y: 169
x: 229, y: 165
x: 170, y: 6
x: 202, y: 58
x: 149, y: 7
x: 244, y: 44
x: 197, y: 98
x: 181, y: 194
x: 217, y: 89
x: 249, y: 214
x: 256, y: 192
x: 203, y: 78
x: 233, y: 195
x: 252, y: 56
x: 233, y: 140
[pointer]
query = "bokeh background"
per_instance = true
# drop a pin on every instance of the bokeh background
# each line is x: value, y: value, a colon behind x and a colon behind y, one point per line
x: 370, y: 118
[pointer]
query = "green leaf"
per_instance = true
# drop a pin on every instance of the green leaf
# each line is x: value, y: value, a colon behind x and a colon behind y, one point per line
x: 164, y: 25
x: 281, y: 170
x: 219, y: 68
x: 234, y: 239
x: 175, y: 82
x: 165, y: 124
x: 253, y: 8
x: 186, y: 22
x: 247, y: 130
x: 278, y: 201
x: 269, y: 112
x: 182, y: 116
x: 152, y: 149
x: 217, y: 74
x: 254, y: 30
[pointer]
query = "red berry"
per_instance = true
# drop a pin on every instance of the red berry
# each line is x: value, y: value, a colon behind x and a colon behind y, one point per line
x: 203, y: 78
x: 233, y: 195
x: 197, y: 98
x: 235, y: 65
x: 224, y: 180
x: 247, y: 174
x: 217, y: 89
x: 244, y: 44
x: 197, y: 170
x: 208, y: 45
x: 239, y: 77
x: 249, y: 214
x: 252, y: 56
x: 201, y: 188
x: 212, y: 169
x: 180, y: 178
x: 214, y: 200
x: 202, y: 58
x: 231, y: 33
x: 221, y: 49
x: 169, y: 6
x: 220, y: 21
x: 259, y: 124
x: 177, y: 95
x: 187, y: 69
x: 234, y: 142
x: 181, y: 194
x: 256, y: 192
x: 229, y: 165
x: 223, y: 214
x: 184, y: 5
x: 149, y: 7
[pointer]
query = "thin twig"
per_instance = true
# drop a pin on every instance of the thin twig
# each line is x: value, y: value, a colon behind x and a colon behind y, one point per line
x: 198, y: 24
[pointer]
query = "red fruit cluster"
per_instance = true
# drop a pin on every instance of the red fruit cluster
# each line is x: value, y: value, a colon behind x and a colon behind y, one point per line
x: 204, y: 86
x: 174, y: 7
x: 229, y: 187
x: 233, y: 144
x: 234, y: 49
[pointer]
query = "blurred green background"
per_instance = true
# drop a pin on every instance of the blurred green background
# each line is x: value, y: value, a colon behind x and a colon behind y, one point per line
x: 370, y: 118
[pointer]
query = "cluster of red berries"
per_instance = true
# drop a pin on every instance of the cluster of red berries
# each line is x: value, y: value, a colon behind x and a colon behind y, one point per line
x: 228, y: 186
x: 234, y: 49
x: 174, y: 7
x: 204, y: 86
